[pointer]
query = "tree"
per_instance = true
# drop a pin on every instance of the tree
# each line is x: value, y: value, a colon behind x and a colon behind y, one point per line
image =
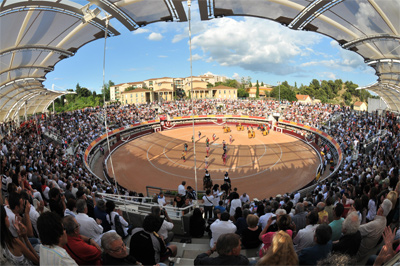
x: 130, y: 88
x: 209, y: 85
x: 82, y: 92
x: 250, y: 85
x: 233, y: 83
x: 286, y: 93
x: 258, y: 90
x: 242, y: 93
x: 262, y: 84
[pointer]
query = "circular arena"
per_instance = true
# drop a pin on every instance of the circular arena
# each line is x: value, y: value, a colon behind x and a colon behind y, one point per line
x: 262, y: 166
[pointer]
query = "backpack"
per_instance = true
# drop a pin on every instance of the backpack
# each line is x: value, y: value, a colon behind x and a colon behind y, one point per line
x: 118, y: 227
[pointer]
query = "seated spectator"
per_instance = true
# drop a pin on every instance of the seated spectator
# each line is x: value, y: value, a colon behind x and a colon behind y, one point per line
x: 101, y: 214
x: 336, y: 224
x: 281, y: 251
x: 250, y: 235
x: 16, y: 249
x: 89, y: 227
x: 299, y: 218
x: 197, y: 224
x: 220, y: 227
x: 115, y: 252
x: 305, y: 237
x: 241, y: 222
x: 84, y: 250
x: 90, y: 201
x: 350, y: 242
x: 220, y: 207
x: 322, y: 214
x: 228, y: 248
x: 18, y: 209
x: 57, y: 202
x: 53, y: 238
x: 112, y: 214
x: 372, y: 231
x: 387, y: 252
x: 283, y: 222
x: 70, y: 207
x: 336, y: 259
x: 165, y: 224
x: 322, y: 248
x: 146, y: 246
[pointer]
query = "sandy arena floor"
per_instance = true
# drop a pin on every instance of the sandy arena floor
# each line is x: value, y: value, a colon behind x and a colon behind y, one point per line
x: 262, y: 167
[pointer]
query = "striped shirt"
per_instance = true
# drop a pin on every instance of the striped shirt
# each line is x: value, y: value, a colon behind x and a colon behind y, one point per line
x: 55, y: 255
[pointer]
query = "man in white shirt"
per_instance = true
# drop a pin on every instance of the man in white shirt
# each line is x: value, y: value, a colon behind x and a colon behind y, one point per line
x: 161, y: 199
x: 89, y: 227
x: 305, y: 237
x: 220, y: 227
x: 245, y: 198
x: 181, y: 189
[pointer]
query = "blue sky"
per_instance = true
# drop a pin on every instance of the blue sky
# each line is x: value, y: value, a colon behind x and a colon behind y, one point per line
x: 234, y: 47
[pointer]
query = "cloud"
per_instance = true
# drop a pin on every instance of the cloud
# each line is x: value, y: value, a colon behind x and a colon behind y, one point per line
x: 236, y: 76
x: 253, y: 44
x: 140, y: 31
x: 346, y: 61
x: 163, y: 56
x: 328, y: 75
x: 155, y: 36
x: 196, y: 57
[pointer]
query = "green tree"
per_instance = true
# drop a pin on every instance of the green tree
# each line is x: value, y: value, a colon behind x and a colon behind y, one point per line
x: 209, y: 85
x: 130, y: 88
x: 257, y: 90
x: 262, y: 84
x: 286, y: 93
x: 242, y: 93
x: 233, y: 83
x: 250, y: 84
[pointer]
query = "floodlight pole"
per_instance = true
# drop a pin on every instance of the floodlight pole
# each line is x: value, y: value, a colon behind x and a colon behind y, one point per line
x: 192, y: 95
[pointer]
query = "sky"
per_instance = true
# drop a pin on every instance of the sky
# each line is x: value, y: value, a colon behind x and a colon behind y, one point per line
x: 234, y: 47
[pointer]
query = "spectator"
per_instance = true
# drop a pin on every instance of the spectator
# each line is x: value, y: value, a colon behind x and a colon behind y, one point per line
x: 220, y: 227
x: 322, y: 214
x: 101, y: 214
x: 372, y: 231
x: 197, y: 224
x: 245, y: 198
x: 208, y: 204
x: 89, y: 227
x: 181, y: 189
x: 299, y: 218
x: 322, y: 248
x: 350, y: 242
x: 18, y: 207
x: 53, y: 238
x: 250, y: 235
x: 220, y: 207
x: 16, y: 249
x: 161, y: 199
x: 57, y: 202
x: 228, y: 248
x: 283, y: 221
x: 112, y: 214
x: 115, y: 252
x: 70, y: 207
x: 235, y: 203
x: 84, y: 250
x: 372, y: 204
x: 336, y: 224
x: 146, y: 246
x: 191, y: 194
x: 305, y: 237
x: 241, y: 222
x: 281, y: 251
x: 165, y: 224
x: 336, y: 259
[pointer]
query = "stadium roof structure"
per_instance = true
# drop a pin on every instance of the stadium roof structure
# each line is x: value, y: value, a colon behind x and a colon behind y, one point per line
x: 37, y: 34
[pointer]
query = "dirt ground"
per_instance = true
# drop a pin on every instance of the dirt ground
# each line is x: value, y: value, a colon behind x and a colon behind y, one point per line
x: 263, y: 166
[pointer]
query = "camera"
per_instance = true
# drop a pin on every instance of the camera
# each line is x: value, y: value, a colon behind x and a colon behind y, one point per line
x: 273, y: 218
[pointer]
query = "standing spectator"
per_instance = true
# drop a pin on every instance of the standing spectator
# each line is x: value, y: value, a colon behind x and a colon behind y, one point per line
x: 228, y: 248
x: 161, y: 199
x: 220, y: 227
x: 283, y: 221
x: 336, y: 224
x: 235, y: 203
x: 191, y: 194
x: 322, y: 248
x: 53, y: 238
x: 84, y: 250
x: 181, y: 189
x: 281, y: 251
x: 208, y: 204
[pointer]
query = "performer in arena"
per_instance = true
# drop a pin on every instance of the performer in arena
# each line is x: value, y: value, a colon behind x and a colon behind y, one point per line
x: 214, y: 137
x: 230, y: 139
x: 207, y: 141
x: 227, y: 183
x: 185, y: 146
x: 199, y: 134
x: 224, y: 157
x: 183, y: 156
x: 207, y: 182
x: 192, y: 139
x: 206, y: 161
x: 208, y: 150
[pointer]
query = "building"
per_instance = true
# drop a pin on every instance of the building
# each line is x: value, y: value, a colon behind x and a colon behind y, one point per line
x: 136, y: 96
x: 303, y: 98
x: 116, y: 90
x: 360, y: 106
x: 223, y: 92
x: 264, y: 92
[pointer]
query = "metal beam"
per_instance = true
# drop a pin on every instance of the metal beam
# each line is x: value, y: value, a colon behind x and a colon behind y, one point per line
x: 369, y: 39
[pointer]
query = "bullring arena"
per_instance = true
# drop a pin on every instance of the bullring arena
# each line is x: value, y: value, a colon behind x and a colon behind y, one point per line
x: 263, y: 166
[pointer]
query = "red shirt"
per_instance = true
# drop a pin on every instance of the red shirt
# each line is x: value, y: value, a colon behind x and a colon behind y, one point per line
x: 82, y: 252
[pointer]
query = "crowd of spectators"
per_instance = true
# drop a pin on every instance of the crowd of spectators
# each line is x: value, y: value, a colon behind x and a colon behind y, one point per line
x: 50, y: 202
